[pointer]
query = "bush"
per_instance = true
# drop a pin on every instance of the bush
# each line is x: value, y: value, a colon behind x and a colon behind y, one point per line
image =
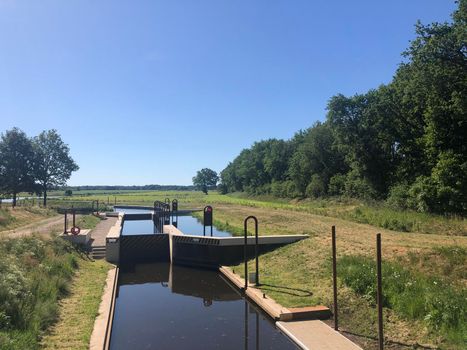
x: 357, y: 187
x: 336, y: 185
x: 398, y: 197
x: 316, y: 187
x: 279, y: 189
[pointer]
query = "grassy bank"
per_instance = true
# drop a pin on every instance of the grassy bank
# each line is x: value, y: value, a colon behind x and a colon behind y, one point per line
x: 12, y: 218
x: 35, y: 274
x: 44, y: 280
x: 79, y: 309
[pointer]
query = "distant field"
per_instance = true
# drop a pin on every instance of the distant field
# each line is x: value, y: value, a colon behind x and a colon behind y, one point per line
x: 375, y: 214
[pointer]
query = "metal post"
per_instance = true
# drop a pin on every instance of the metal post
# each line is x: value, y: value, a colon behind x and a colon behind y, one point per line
x: 74, y: 218
x: 380, y: 292
x: 97, y: 207
x: 65, y: 228
x: 334, y: 277
x: 245, y: 251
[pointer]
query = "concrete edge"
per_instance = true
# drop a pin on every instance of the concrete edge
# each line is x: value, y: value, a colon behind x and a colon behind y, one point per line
x: 291, y: 336
x: 100, y: 337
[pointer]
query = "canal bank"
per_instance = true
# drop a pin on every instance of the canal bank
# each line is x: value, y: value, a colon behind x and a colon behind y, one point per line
x: 144, y: 290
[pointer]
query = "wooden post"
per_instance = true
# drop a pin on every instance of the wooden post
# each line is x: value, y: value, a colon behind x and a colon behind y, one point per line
x: 379, y: 292
x: 334, y: 278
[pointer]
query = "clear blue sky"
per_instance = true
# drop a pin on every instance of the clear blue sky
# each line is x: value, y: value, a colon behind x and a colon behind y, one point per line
x: 150, y: 91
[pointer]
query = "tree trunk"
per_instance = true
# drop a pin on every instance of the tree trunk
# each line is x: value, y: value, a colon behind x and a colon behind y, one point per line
x: 14, y: 199
x: 45, y: 196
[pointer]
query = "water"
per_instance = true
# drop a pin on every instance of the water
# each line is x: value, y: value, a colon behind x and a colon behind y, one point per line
x: 193, y: 226
x: 187, y: 224
x: 132, y: 210
x: 162, y: 306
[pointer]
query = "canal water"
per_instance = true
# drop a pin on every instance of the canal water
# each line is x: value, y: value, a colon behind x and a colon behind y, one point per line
x: 187, y: 224
x: 163, y: 306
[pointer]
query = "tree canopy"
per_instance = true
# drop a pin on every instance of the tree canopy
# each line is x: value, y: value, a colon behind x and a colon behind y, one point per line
x: 53, y: 165
x: 33, y: 165
x: 404, y: 141
x: 205, y: 178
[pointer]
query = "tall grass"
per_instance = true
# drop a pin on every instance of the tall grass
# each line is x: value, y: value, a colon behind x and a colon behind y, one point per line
x: 34, y: 275
x: 412, y: 294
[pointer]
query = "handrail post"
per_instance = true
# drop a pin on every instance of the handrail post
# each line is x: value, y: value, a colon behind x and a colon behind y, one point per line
x: 334, y: 278
x: 379, y: 292
x: 245, y: 249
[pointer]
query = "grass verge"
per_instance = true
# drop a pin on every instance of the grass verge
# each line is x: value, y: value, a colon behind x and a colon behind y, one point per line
x: 79, y: 310
x: 43, y: 281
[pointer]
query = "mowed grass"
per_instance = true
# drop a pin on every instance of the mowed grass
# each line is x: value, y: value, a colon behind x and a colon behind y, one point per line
x: 79, y: 309
x: 300, y: 274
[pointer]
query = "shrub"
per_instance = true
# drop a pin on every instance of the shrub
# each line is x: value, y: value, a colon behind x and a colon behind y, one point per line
x: 357, y: 187
x: 316, y: 187
x: 336, y: 185
x: 398, y: 196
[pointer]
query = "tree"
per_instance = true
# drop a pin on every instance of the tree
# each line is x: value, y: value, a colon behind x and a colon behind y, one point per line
x: 204, y: 179
x: 16, y: 159
x: 53, y: 164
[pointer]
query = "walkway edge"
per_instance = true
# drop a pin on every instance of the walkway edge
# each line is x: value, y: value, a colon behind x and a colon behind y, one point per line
x: 291, y: 336
x: 100, y: 337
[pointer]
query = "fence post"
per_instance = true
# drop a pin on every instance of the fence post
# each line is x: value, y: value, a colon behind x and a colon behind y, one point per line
x: 334, y: 278
x: 380, y: 292
x: 64, y: 230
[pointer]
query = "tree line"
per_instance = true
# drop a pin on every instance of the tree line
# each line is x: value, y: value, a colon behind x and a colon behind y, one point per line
x: 33, y: 165
x: 404, y: 142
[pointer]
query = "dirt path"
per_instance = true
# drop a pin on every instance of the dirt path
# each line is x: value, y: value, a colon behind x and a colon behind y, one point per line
x: 44, y: 226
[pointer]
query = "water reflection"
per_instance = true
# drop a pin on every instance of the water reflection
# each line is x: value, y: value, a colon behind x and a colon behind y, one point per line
x: 161, y: 306
x: 187, y: 224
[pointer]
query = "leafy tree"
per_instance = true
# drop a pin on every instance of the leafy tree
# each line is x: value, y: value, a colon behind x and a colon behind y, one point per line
x: 16, y: 159
x: 53, y: 164
x: 204, y: 179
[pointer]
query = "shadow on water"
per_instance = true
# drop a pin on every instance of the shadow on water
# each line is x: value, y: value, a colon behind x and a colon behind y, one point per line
x: 163, y: 306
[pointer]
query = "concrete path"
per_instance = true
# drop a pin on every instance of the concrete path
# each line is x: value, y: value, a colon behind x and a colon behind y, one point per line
x: 99, y: 232
x: 316, y: 335
x: 44, y: 226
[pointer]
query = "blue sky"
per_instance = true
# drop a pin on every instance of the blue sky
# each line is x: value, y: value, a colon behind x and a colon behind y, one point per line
x: 150, y: 91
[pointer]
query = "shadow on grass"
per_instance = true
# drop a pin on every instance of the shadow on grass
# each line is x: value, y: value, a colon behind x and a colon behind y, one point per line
x: 387, y: 341
x: 286, y: 290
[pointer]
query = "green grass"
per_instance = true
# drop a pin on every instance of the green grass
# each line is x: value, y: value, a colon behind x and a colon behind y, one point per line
x: 34, y: 275
x: 376, y: 214
x: 412, y: 295
x: 79, y: 309
x: 87, y: 221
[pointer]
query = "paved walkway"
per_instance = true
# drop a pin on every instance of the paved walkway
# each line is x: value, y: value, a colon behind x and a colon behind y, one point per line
x: 99, y: 232
x: 316, y: 335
